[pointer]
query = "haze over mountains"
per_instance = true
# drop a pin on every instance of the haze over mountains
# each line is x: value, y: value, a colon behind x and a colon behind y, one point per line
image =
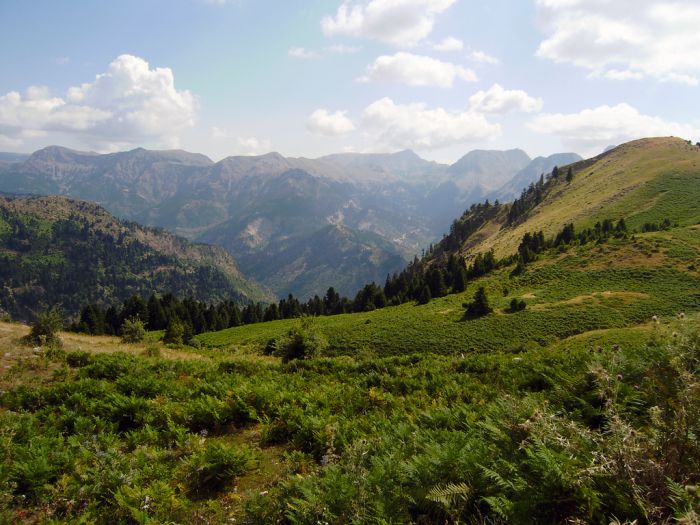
x: 295, y: 225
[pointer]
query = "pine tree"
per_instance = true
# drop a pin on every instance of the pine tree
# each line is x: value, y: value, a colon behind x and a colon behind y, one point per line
x: 479, y: 305
x: 424, y: 297
x: 569, y: 175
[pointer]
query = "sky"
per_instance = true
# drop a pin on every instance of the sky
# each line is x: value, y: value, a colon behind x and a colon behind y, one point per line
x: 314, y: 77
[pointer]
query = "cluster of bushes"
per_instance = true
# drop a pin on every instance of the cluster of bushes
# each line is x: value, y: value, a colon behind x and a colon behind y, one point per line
x: 533, y: 244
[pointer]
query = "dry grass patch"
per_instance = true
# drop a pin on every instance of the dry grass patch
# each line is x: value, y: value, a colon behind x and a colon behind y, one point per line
x: 595, y: 297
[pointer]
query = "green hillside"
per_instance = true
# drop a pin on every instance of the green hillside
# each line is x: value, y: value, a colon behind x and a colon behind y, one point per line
x: 583, y: 407
x: 54, y: 251
x: 620, y: 283
x: 646, y: 180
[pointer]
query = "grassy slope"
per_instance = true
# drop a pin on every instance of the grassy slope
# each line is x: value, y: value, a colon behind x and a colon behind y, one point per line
x: 621, y: 283
x: 642, y: 181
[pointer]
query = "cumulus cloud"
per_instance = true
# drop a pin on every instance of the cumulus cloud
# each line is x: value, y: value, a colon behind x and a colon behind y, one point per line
x: 322, y: 122
x: 483, y: 58
x: 592, y: 129
x: 416, y: 126
x: 449, y: 44
x: 129, y: 104
x: 501, y: 101
x: 624, y: 39
x: 401, y: 23
x: 416, y: 70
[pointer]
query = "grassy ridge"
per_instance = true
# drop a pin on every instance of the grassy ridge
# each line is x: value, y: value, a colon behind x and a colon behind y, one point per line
x: 644, y: 180
x: 619, y: 284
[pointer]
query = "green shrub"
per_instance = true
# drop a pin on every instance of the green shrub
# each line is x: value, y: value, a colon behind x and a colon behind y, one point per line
x: 215, y: 467
x: 302, y: 341
x: 133, y: 331
x: 78, y: 359
x: 479, y: 306
x: 44, y: 331
x: 174, y: 333
x: 517, y: 305
x: 152, y: 350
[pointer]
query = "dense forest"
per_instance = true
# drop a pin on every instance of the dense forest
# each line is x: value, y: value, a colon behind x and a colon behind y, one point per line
x: 84, y: 257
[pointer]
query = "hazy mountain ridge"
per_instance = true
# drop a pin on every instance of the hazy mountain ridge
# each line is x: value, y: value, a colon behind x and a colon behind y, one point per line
x: 255, y: 206
x: 531, y: 173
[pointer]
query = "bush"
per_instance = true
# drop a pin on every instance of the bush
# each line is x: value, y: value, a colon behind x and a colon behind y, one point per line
x: 133, y: 330
x: 301, y: 342
x: 78, y: 359
x: 517, y: 305
x: 174, y: 334
x: 45, y: 329
x: 152, y: 350
x: 216, y: 466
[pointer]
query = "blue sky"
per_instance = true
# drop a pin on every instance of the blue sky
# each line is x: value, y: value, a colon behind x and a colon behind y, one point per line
x: 313, y: 77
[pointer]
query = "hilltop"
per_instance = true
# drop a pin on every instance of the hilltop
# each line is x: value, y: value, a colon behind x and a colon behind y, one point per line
x: 642, y: 181
x: 59, y: 251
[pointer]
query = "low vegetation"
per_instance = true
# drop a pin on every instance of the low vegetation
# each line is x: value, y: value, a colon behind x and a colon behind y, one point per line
x: 579, y: 432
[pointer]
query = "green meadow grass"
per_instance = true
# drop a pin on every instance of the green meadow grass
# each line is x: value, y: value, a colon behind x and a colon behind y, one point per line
x: 565, y: 297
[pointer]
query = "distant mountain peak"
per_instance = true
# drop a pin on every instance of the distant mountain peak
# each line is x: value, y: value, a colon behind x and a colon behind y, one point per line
x: 488, y: 169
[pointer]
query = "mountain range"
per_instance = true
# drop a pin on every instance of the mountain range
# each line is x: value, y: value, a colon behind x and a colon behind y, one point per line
x: 295, y: 225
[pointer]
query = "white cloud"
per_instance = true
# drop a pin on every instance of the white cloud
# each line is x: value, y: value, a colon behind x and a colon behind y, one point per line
x: 237, y: 145
x: 300, y: 52
x: 449, y: 44
x: 415, y: 126
x: 592, y: 129
x: 309, y: 54
x: 483, y: 58
x: 501, y: 101
x: 129, y: 104
x: 402, y: 23
x: 322, y: 122
x: 341, y: 49
x: 624, y: 39
x: 416, y: 70
x: 36, y: 113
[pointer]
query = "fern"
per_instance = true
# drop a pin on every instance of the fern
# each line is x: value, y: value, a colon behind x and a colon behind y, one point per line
x: 449, y: 494
x: 501, y: 505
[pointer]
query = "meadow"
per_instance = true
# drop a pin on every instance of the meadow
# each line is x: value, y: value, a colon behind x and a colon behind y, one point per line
x: 582, y: 408
x: 603, y: 424
x: 618, y: 284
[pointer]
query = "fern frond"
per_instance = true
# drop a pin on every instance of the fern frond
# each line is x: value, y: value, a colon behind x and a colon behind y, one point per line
x: 448, y: 494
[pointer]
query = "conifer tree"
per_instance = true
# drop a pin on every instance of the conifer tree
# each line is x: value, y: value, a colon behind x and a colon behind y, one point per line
x: 479, y: 305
